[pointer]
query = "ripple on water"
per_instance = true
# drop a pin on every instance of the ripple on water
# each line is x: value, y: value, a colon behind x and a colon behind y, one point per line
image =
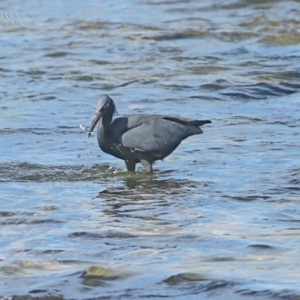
x: 30, y: 172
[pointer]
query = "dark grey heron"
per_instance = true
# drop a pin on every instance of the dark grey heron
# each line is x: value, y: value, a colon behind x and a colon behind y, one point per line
x: 140, y: 138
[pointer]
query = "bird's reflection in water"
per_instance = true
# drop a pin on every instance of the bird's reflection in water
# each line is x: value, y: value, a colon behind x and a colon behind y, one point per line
x: 140, y: 194
x: 145, y: 183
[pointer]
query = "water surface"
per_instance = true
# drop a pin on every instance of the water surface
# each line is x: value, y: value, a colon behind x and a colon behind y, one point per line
x: 218, y: 219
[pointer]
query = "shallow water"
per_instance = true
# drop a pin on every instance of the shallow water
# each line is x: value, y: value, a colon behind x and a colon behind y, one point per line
x: 218, y: 219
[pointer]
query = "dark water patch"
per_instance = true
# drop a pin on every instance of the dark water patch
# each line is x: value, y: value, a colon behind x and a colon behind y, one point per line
x: 98, y: 272
x: 206, y: 59
x: 41, y: 252
x: 23, y: 221
x: 293, y: 188
x: 56, y: 78
x: 217, y: 85
x: 258, y: 20
x: 184, y: 277
x: 4, y: 70
x: 110, y: 87
x: 178, y: 87
x: 238, y: 51
x: 174, y: 50
x: 216, y: 285
x: 143, y: 186
x: 48, y: 296
x: 207, y: 98
x: 97, y: 236
x: 84, y: 78
x: 239, y: 140
x: 150, y: 101
x: 99, y: 62
x: 42, y: 131
x: 221, y: 259
x: 164, y: 184
x: 44, y: 297
x: 271, y: 90
x: 7, y: 213
x: 291, y: 37
x: 287, y: 79
x: 48, y: 98
x: 189, y: 238
x: 240, y: 96
x: 96, y: 282
x: 284, y: 294
x: 24, y: 130
x: 187, y: 34
x: 25, y: 217
x: 30, y: 172
x: 195, y: 283
x: 37, y: 291
x: 236, y: 36
x: 248, y: 198
x: 290, y: 220
x: 282, y: 200
x: 115, y: 193
x: 148, y: 81
x: 295, y: 172
x: 277, y: 123
x: 40, y: 97
x: 207, y: 69
x: 90, y: 25
x: 233, y: 5
x: 127, y: 83
x: 262, y: 249
x: 33, y: 72
x: 58, y: 54
x: 295, y: 181
x: 259, y: 91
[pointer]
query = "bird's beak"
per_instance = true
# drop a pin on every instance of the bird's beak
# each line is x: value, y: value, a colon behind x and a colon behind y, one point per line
x: 97, y: 117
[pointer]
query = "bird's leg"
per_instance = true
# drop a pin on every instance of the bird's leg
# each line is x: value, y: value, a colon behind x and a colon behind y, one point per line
x: 130, y: 165
x: 146, y: 165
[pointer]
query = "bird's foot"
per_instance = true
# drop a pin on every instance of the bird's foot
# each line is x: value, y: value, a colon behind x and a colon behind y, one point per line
x: 130, y: 166
x: 147, y: 165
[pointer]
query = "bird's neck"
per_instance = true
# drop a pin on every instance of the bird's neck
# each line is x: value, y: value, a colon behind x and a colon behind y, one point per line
x: 103, y: 128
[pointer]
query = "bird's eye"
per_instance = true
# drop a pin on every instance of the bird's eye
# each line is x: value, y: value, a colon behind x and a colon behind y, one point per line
x: 103, y: 107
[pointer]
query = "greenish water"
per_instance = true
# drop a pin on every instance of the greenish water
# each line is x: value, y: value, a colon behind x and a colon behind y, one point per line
x: 218, y: 219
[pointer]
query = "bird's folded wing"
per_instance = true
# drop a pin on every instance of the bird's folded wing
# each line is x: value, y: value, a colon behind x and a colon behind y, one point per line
x: 186, y: 121
x: 157, y: 135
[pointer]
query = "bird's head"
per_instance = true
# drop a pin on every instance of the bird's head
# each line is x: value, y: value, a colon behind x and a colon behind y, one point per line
x: 105, y: 105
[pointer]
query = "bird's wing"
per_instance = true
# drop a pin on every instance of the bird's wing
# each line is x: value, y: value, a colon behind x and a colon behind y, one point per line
x: 186, y: 121
x: 157, y: 134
